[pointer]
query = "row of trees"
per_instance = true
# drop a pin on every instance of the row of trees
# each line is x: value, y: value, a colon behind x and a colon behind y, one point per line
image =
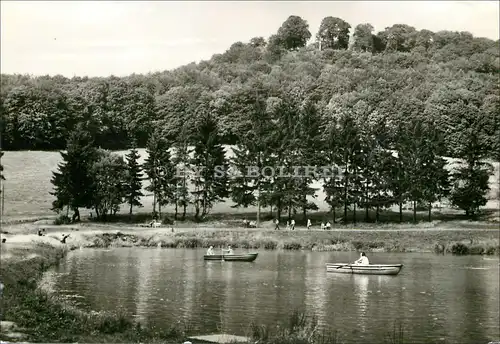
x: 279, y: 132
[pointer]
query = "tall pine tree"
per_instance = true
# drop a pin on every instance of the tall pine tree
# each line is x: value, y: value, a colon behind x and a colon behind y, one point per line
x: 160, y: 170
x: 73, y: 183
x: 332, y: 179
x: 181, y: 162
x: 211, y: 180
x: 133, y: 179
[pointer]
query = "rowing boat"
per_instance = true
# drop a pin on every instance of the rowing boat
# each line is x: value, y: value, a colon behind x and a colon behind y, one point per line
x: 372, y: 269
x: 249, y: 257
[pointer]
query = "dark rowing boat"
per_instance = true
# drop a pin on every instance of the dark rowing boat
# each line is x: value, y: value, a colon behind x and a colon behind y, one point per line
x: 371, y: 269
x: 249, y: 257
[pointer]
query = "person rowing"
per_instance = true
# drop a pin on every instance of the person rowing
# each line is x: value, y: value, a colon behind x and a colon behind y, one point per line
x: 363, y: 260
x: 229, y: 250
x: 210, y: 251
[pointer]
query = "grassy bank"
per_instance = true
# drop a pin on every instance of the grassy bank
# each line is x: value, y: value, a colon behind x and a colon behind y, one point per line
x: 458, y: 242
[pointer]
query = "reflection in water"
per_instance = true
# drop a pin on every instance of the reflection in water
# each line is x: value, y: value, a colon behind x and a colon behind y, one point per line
x: 144, y: 272
x: 189, y: 279
x: 434, y: 297
x: 361, y: 284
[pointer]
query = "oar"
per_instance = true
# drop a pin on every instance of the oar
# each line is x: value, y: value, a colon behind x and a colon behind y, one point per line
x: 349, y: 265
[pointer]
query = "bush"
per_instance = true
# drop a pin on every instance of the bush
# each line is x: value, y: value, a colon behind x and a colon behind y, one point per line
x: 62, y: 220
x: 476, y: 250
x: 167, y: 220
x: 459, y: 249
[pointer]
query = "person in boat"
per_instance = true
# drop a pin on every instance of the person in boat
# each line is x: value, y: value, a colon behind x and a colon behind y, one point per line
x: 229, y: 250
x: 210, y: 251
x: 363, y: 260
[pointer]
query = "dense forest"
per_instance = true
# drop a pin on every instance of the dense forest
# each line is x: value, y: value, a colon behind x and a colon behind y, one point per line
x: 349, y: 99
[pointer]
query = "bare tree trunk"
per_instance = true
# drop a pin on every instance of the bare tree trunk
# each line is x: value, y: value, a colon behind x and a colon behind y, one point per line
x: 258, y: 204
x: 154, y: 203
x: 415, y: 211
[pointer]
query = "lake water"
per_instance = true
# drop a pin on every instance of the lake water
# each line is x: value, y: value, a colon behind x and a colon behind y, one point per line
x: 436, y: 299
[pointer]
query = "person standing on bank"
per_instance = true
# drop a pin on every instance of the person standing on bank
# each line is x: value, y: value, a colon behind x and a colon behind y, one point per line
x: 277, y: 225
x: 293, y: 224
x: 309, y: 224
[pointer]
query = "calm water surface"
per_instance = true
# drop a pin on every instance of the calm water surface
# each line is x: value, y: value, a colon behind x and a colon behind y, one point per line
x: 436, y: 299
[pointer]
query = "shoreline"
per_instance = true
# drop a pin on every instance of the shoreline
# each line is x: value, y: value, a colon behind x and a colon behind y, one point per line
x: 41, y: 316
x: 455, y: 237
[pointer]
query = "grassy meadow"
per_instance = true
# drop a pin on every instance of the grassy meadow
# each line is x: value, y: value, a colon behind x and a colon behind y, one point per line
x: 27, y: 189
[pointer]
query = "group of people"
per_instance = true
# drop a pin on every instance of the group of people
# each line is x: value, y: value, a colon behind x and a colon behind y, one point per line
x: 210, y: 251
x: 363, y: 259
x: 290, y: 225
x: 249, y: 224
x: 41, y: 232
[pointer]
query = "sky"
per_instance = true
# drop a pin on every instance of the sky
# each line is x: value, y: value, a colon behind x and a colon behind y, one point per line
x: 123, y: 37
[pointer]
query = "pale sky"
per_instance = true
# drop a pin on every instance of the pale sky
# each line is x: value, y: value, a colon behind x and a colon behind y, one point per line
x: 120, y: 38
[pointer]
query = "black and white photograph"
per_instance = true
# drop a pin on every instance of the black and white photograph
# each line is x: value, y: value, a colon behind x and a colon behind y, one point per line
x: 250, y: 172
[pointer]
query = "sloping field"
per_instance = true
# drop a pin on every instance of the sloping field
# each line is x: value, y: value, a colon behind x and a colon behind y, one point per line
x: 28, y: 187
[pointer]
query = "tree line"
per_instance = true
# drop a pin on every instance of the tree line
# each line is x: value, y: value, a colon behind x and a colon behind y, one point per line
x: 287, y: 133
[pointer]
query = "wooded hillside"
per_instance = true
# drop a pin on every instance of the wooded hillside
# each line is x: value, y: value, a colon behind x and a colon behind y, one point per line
x: 400, y: 73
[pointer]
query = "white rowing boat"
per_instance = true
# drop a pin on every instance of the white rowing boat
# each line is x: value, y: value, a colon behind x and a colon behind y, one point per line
x: 371, y: 269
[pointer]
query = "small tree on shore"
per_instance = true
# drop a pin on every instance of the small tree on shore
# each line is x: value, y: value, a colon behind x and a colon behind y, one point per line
x: 109, y: 174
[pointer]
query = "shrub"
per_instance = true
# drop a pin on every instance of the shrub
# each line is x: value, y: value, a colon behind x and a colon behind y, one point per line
x: 62, y: 220
x: 459, y: 249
